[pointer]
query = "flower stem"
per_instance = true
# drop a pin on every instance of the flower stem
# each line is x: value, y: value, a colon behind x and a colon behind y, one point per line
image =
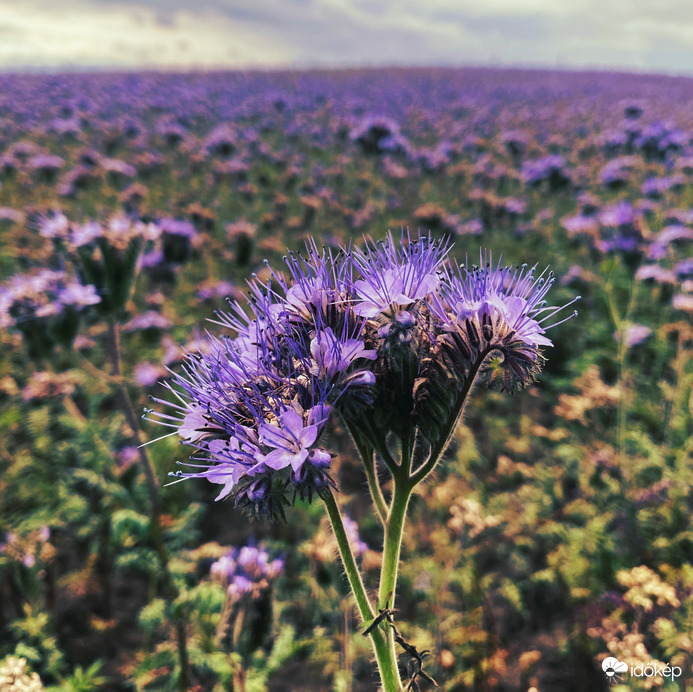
x: 394, y: 529
x: 368, y: 457
x: 384, y: 652
x: 170, y: 590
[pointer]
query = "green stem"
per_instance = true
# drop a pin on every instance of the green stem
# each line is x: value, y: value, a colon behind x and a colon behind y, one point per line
x: 622, y: 403
x: 368, y: 457
x: 374, y: 486
x: 379, y: 445
x: 394, y: 529
x: 384, y: 653
x: 170, y: 589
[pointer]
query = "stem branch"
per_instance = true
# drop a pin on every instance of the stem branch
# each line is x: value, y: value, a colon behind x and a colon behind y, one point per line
x: 384, y: 653
x: 170, y: 590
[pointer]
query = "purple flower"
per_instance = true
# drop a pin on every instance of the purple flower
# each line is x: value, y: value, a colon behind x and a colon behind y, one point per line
x: 147, y: 320
x: 45, y: 307
x: 379, y: 134
x: 633, y: 334
x: 352, y: 532
x: 388, y: 336
x: 683, y: 301
x: 655, y: 272
x: 394, y: 276
x: 549, y: 170
x: 332, y: 356
x: 77, y: 295
x: 506, y: 299
x: 148, y: 374
x: 501, y: 309
x: 668, y: 235
x: 290, y: 438
x: 247, y: 570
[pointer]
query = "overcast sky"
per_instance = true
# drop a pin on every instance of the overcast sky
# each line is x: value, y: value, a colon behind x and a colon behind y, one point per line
x: 637, y: 35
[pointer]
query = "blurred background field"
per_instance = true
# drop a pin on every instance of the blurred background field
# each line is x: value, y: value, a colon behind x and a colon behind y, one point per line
x: 557, y: 531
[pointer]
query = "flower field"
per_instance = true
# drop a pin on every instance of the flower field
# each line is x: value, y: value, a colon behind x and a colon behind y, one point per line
x: 549, y: 547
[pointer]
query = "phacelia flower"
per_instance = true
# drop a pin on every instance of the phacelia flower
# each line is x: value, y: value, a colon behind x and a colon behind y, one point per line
x: 246, y: 571
x: 392, y: 276
x: 45, y: 307
x: 498, y: 310
x: 390, y: 338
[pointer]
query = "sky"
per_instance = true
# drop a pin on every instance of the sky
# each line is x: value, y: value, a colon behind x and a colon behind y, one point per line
x: 630, y: 35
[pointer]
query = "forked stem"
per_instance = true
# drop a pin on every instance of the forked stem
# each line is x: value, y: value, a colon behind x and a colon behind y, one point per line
x: 384, y: 650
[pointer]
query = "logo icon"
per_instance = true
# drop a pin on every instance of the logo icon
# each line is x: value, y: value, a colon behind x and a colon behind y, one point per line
x: 612, y: 667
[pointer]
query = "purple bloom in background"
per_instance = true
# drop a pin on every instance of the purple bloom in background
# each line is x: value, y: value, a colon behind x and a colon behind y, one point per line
x: 655, y: 272
x: 45, y: 307
x: 148, y: 374
x: 549, y: 169
x: 177, y: 237
x: 579, y: 224
x: 633, y: 334
x: 621, y: 231
x: 683, y: 301
x: 147, y: 320
x: 379, y: 135
x: 217, y: 289
x: 245, y: 571
x: 668, y: 235
x: 684, y: 269
x: 352, y: 532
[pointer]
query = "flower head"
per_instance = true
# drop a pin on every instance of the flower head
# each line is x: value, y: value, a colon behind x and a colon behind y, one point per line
x: 391, y: 337
x: 501, y: 310
x: 394, y: 276
x: 246, y: 571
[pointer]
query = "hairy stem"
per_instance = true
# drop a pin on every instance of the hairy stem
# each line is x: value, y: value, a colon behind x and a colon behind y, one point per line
x: 384, y: 653
x: 394, y: 529
x: 374, y: 486
x: 367, y: 454
x: 170, y: 590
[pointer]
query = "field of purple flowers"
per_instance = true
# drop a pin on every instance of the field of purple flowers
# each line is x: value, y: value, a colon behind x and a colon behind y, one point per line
x: 557, y: 530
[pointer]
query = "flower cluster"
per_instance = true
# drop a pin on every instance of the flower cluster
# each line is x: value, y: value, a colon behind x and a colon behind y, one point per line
x: 390, y: 337
x: 646, y: 589
x: 119, y: 231
x: 46, y: 294
x: 105, y: 255
x: 246, y: 570
x: 45, y: 307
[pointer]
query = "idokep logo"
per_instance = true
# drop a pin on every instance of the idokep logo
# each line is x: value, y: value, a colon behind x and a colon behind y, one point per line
x: 612, y: 667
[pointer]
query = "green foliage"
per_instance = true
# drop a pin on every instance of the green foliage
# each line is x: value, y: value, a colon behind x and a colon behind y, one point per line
x: 512, y: 550
x: 82, y: 680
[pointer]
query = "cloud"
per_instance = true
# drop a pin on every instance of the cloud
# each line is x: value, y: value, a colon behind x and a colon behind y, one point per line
x: 79, y: 33
x: 636, y: 34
